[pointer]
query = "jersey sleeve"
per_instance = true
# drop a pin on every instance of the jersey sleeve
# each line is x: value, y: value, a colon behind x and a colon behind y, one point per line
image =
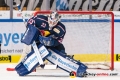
x: 31, y: 21
x: 37, y: 21
x: 59, y: 33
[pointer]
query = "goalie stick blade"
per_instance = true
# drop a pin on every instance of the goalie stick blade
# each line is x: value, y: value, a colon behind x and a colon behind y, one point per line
x: 13, y: 69
x: 10, y: 69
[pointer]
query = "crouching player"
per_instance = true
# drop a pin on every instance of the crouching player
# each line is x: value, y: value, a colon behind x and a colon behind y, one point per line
x: 48, y: 33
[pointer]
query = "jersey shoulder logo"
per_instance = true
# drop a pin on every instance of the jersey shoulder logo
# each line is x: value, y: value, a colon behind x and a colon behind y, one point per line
x: 56, y: 30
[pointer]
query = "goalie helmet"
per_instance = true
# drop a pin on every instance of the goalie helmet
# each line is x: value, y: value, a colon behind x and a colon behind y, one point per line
x: 53, y: 19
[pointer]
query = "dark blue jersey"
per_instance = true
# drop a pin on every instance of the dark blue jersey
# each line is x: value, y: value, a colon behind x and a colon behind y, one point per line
x: 57, y: 32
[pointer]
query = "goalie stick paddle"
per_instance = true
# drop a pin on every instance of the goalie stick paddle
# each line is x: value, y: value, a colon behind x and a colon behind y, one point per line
x: 10, y: 69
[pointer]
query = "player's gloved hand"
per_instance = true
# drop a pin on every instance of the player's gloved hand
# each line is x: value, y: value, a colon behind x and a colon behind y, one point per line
x: 47, y: 41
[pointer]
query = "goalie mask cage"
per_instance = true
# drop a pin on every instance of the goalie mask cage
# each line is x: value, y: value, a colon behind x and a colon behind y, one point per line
x: 89, y: 37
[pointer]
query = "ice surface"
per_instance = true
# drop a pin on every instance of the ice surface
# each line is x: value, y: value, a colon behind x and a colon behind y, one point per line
x: 12, y: 75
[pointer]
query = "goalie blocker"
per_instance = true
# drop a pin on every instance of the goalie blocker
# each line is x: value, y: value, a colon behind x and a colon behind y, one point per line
x: 30, y: 61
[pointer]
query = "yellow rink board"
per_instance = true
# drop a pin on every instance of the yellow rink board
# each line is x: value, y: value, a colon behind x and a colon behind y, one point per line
x: 96, y: 57
x: 14, y: 58
x: 6, y: 58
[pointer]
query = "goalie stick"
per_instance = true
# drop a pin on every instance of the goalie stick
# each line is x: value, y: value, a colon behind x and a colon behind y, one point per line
x: 35, y: 49
x: 33, y: 44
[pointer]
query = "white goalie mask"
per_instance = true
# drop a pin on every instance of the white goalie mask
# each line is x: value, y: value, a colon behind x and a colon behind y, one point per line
x: 53, y: 19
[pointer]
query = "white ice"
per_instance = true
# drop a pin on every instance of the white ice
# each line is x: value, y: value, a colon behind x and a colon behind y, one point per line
x: 12, y: 75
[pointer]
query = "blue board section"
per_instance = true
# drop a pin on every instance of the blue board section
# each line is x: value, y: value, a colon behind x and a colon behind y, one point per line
x: 11, y: 20
x: 65, y: 20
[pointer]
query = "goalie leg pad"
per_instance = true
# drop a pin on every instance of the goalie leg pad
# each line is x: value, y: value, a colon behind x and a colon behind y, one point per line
x: 30, y: 61
x: 66, y: 63
x: 22, y: 70
x: 27, y: 65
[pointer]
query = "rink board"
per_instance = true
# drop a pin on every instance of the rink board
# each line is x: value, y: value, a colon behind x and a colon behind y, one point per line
x: 82, y: 57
